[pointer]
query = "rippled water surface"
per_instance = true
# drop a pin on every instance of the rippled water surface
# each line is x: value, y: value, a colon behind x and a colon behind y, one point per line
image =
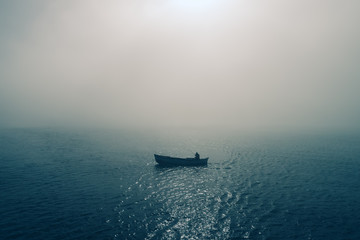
x: 57, y: 184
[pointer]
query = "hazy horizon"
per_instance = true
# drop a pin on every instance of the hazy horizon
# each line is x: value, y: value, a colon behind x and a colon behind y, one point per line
x: 128, y: 64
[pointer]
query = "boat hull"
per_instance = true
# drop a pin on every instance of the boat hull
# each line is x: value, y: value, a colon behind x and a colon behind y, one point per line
x: 171, y: 161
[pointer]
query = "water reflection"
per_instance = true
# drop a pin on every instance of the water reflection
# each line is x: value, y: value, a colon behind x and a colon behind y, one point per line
x: 189, y: 197
x: 202, y: 202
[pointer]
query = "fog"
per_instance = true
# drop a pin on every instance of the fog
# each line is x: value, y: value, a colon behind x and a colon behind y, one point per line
x: 199, y: 63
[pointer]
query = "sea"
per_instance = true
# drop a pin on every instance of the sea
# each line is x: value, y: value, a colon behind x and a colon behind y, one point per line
x: 105, y: 184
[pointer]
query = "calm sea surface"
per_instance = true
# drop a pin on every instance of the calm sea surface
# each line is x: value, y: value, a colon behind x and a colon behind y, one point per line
x: 62, y: 184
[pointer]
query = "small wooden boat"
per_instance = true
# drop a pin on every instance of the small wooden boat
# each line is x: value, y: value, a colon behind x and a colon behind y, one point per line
x: 172, y: 161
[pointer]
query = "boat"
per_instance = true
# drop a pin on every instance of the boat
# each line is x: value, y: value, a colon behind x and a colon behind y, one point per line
x: 173, y: 161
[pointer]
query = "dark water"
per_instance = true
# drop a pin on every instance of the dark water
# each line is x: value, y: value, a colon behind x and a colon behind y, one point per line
x: 58, y: 184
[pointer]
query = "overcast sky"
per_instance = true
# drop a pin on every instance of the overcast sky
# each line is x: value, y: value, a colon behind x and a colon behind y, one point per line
x: 242, y: 63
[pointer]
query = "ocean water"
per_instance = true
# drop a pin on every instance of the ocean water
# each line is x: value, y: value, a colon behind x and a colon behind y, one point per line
x: 101, y: 184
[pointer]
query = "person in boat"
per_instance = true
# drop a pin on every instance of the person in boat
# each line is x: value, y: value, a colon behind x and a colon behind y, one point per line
x: 197, y: 156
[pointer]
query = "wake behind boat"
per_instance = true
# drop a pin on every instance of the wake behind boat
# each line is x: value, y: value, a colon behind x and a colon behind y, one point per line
x: 172, y: 161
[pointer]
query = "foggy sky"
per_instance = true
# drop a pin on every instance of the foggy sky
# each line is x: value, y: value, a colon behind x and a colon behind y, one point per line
x: 242, y: 64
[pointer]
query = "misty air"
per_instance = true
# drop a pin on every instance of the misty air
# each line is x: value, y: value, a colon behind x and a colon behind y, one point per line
x: 179, y: 119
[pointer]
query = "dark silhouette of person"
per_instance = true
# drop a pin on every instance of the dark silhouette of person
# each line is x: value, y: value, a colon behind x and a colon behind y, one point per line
x: 197, y: 156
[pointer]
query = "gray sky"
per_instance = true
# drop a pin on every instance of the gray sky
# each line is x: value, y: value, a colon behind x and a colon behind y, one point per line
x: 240, y: 64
